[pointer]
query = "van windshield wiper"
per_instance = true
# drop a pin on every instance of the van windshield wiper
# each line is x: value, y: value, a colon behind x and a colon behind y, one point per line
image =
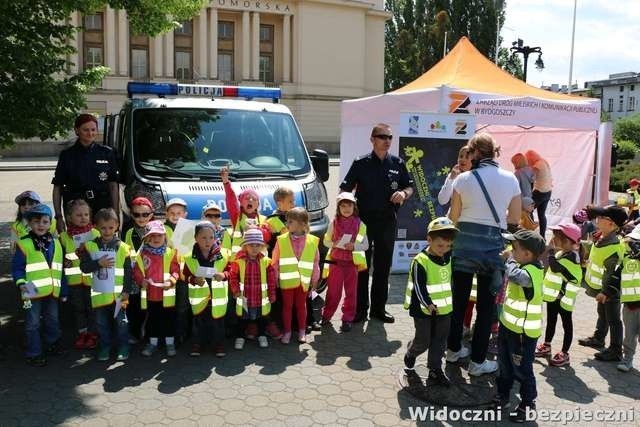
x: 266, y: 174
x: 173, y: 170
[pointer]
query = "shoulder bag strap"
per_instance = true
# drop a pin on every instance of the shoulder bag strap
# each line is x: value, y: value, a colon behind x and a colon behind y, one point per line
x: 486, y: 196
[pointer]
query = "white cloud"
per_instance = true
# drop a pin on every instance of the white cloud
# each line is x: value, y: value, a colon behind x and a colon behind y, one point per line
x: 606, y: 34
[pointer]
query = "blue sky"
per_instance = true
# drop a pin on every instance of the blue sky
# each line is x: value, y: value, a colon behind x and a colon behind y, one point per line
x: 606, y: 41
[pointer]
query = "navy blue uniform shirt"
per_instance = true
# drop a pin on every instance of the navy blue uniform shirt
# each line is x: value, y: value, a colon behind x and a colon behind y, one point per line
x: 375, y: 181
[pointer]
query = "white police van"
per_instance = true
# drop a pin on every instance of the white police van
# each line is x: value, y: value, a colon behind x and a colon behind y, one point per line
x: 173, y: 139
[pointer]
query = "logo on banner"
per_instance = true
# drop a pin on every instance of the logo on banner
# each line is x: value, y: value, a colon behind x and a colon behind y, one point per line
x: 414, y: 125
x: 459, y: 103
x: 438, y: 127
x: 461, y: 127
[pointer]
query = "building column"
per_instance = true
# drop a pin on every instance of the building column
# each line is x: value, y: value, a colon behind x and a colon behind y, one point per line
x: 255, y: 47
x: 246, y: 45
x: 123, y: 43
x: 157, y: 56
x: 168, y: 54
x: 74, y: 58
x: 202, y: 45
x: 286, y: 47
x: 213, y: 43
x: 110, y: 40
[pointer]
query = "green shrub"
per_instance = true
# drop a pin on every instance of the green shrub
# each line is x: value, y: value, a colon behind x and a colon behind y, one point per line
x: 628, y: 128
x: 620, y: 176
x: 626, y: 149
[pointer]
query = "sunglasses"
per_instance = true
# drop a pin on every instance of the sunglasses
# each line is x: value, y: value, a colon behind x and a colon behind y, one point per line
x: 141, y: 214
x: 383, y: 136
x: 213, y: 216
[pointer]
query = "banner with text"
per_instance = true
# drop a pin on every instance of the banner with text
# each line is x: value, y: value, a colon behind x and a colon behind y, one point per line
x: 429, y: 144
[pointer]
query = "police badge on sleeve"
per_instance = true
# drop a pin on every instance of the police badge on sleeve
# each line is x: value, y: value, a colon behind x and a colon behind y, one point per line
x: 103, y: 176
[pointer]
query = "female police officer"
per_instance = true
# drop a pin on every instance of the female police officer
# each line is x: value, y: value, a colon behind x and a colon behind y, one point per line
x: 86, y: 171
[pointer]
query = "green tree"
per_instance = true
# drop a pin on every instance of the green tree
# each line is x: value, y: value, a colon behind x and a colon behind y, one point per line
x: 628, y: 128
x: 37, y: 97
x: 511, y: 63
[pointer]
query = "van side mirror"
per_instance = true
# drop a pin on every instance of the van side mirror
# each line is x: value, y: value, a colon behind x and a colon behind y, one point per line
x: 320, y: 162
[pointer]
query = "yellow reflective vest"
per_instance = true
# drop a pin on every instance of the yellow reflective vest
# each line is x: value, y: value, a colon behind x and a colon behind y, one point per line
x: 552, y: 284
x: 519, y: 314
x: 73, y: 274
x: 438, y: 285
x: 359, y: 258
x: 595, y: 266
x: 630, y: 280
x: 264, y: 287
x: 45, y: 278
x: 101, y: 299
x: 217, y: 292
x: 236, y: 235
x: 293, y: 271
x: 168, y: 295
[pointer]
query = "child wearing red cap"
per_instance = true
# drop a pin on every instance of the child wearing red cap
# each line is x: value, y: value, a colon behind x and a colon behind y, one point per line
x: 635, y: 194
x: 244, y: 212
x: 156, y: 272
x: 560, y: 287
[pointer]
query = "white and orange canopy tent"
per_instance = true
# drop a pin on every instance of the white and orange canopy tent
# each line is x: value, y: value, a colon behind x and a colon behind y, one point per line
x: 562, y: 128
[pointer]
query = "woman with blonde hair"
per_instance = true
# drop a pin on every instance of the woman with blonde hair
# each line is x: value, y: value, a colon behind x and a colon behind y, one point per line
x: 485, y: 199
x: 541, y: 186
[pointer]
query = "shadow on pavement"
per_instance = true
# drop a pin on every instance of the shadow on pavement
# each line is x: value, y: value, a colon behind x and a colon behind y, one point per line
x: 567, y: 385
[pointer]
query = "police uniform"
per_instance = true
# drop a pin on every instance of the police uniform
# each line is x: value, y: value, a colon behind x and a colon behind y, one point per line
x: 375, y: 182
x: 85, y: 173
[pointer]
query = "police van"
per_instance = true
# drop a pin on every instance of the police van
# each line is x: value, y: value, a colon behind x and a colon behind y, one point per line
x: 173, y: 140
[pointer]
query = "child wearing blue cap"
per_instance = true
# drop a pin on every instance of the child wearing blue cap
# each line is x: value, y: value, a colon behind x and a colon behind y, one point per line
x: 37, y: 270
x: 20, y: 227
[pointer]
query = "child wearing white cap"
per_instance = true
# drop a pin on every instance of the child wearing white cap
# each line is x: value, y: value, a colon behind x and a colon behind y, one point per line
x: 176, y: 208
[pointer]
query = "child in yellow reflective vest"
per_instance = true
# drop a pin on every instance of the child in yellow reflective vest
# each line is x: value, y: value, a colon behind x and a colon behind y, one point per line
x: 346, y: 239
x: 107, y: 259
x: 634, y: 191
x: 20, y: 227
x: 79, y: 231
x: 204, y: 272
x: 630, y: 298
x: 156, y: 272
x: 296, y: 259
x: 520, y: 321
x: 37, y: 270
x: 429, y: 300
x: 559, y: 288
x: 603, y: 284
x: 176, y: 208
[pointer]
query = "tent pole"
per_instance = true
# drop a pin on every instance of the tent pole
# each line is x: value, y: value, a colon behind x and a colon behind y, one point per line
x: 573, y: 37
x: 444, y: 46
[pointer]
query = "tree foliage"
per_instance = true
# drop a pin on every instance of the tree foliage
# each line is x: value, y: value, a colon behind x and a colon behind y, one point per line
x: 37, y: 97
x: 511, y: 63
x: 415, y: 34
x: 628, y: 128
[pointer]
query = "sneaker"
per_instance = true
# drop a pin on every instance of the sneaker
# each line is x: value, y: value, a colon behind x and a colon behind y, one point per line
x: 454, y: 356
x: 219, y: 350
x: 439, y: 377
x: 37, y: 361
x: 149, y: 349
x: 91, y: 341
x: 346, y: 326
x: 196, y: 350
x: 520, y: 414
x: 559, y: 359
x: 262, y: 341
x: 239, y: 344
x: 609, y: 355
x: 273, y: 331
x: 315, y: 326
x: 123, y: 353
x: 543, y: 350
x: 103, y: 354
x: 591, y: 342
x: 171, y: 350
x: 500, y: 401
x: 81, y: 342
x: 286, y: 338
x: 409, y: 362
x: 625, y: 365
x: 302, y: 337
x: 325, y: 323
x: 486, y: 367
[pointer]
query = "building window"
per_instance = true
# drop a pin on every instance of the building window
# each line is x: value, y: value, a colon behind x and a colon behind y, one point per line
x: 93, y: 41
x: 266, y: 53
x: 621, y: 104
x: 621, y: 88
x: 183, y: 45
x: 633, y: 87
x: 139, y: 57
x: 225, y: 51
x: 610, y: 106
x: 632, y: 103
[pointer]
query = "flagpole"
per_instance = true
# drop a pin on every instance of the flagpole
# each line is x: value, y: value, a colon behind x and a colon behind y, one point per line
x: 573, y: 38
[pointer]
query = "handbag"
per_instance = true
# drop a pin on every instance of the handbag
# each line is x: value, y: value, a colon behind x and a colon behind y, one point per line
x: 527, y: 222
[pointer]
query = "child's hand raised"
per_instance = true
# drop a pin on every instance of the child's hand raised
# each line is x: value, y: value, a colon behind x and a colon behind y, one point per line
x: 224, y: 174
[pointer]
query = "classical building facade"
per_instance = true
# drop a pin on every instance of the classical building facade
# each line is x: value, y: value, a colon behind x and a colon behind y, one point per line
x: 319, y: 52
x: 619, y: 94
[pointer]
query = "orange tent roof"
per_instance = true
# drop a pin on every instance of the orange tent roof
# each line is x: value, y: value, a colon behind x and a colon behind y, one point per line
x: 465, y: 67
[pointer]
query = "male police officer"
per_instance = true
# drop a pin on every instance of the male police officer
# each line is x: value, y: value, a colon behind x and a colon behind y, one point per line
x: 382, y: 184
x: 86, y: 171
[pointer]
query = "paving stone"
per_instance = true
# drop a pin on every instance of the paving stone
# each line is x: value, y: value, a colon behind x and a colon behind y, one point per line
x: 237, y: 418
x: 349, y: 412
x: 325, y: 417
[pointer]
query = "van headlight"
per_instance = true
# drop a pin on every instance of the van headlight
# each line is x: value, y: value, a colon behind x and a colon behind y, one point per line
x: 316, y: 196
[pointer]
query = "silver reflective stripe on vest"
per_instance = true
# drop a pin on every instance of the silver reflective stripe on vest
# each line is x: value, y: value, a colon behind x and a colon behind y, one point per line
x: 290, y: 275
x: 72, y: 271
x: 522, y: 306
x: 526, y: 324
x: 71, y: 256
x: 37, y: 266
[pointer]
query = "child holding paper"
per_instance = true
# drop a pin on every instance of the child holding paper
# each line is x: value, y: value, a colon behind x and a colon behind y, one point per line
x: 79, y: 231
x: 346, y: 239
x: 107, y: 260
x: 37, y: 270
x: 176, y: 209
x: 204, y: 271
x: 156, y: 272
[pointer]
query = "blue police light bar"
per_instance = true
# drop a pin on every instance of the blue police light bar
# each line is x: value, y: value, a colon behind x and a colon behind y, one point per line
x: 210, y: 91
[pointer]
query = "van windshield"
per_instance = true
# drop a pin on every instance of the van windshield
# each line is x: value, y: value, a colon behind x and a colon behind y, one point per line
x: 190, y: 143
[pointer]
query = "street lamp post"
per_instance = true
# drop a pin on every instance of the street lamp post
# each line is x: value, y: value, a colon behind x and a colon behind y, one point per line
x: 518, y: 47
